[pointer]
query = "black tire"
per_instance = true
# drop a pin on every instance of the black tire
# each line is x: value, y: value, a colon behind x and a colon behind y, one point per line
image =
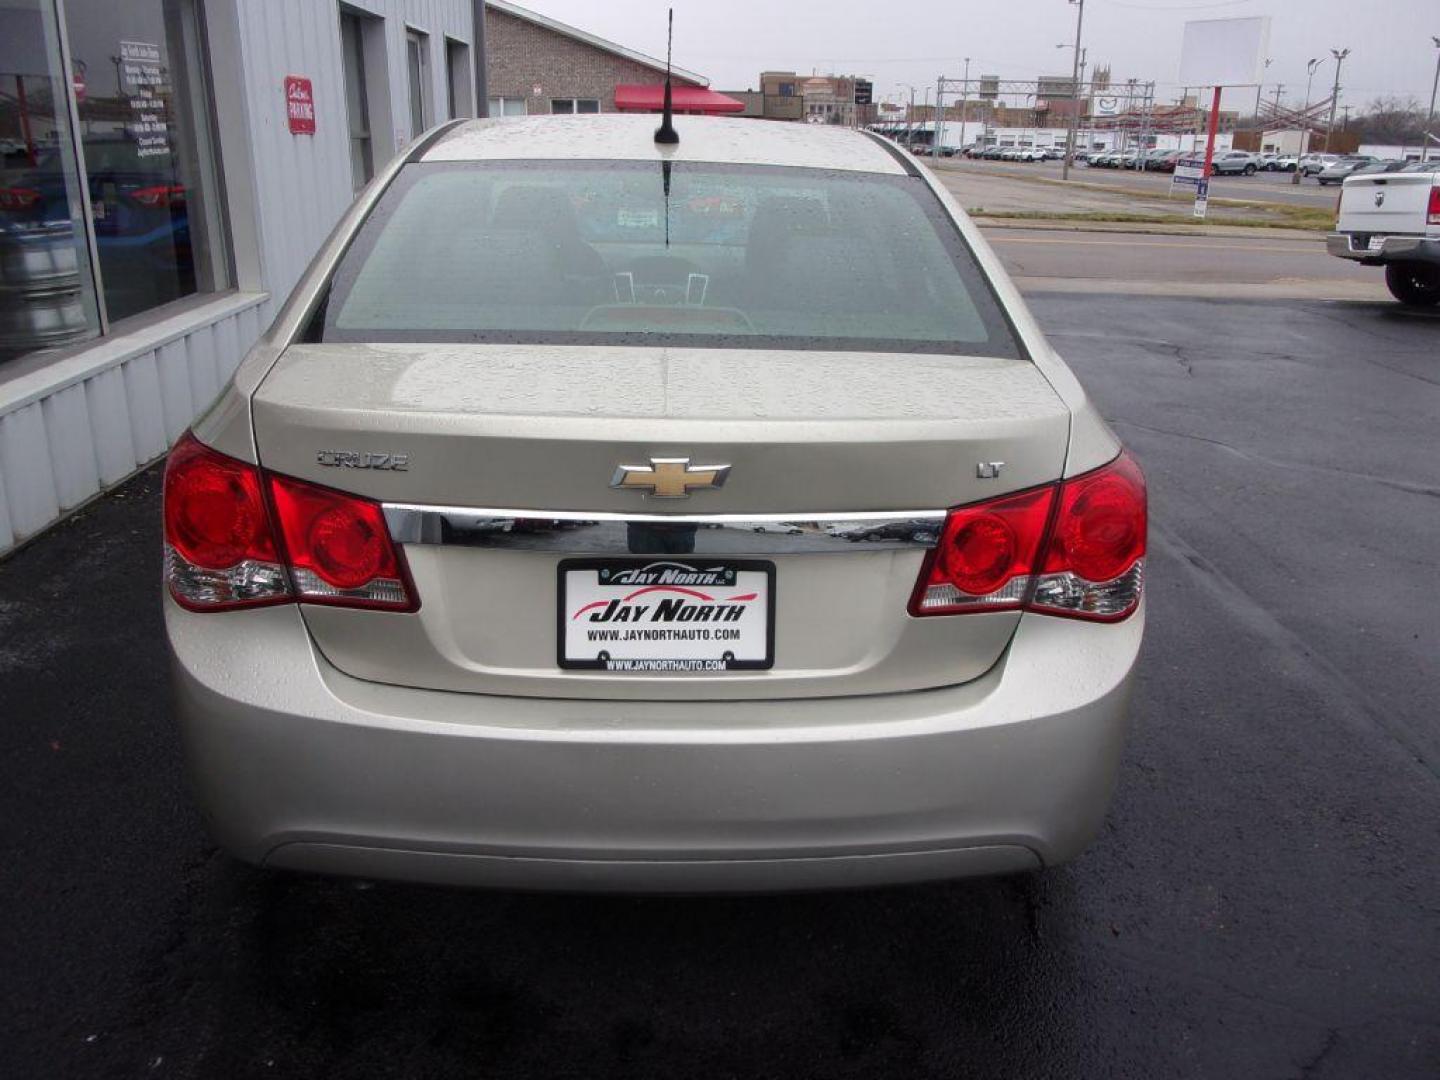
x: 1249, y: 170
x: 1414, y: 284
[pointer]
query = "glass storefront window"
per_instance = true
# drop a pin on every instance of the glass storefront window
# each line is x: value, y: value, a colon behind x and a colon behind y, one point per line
x: 133, y: 221
x: 47, y: 288
x: 144, y: 136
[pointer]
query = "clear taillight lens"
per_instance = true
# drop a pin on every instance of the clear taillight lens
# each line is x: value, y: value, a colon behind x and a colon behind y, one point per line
x: 219, y: 548
x: 1076, y: 548
x: 338, y: 547
x: 227, y: 545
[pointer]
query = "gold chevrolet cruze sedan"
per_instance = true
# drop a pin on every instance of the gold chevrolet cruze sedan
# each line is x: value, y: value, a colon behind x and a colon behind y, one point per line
x: 605, y: 513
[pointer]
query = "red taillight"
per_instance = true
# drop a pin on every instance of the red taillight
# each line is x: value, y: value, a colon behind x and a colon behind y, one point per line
x: 159, y: 196
x: 1432, y: 208
x: 219, y: 548
x: 1095, y: 559
x: 223, y: 549
x: 15, y: 198
x: 985, y: 556
x: 338, y: 547
x: 1075, y: 548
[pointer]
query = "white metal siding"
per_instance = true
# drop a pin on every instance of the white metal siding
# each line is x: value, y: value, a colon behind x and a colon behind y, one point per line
x: 72, y: 442
x: 303, y: 182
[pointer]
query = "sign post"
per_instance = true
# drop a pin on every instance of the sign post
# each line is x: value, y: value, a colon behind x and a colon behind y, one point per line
x: 1202, y: 190
x: 1219, y: 53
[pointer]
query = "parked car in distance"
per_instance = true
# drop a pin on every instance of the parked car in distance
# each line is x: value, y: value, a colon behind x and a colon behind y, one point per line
x: 705, y: 685
x: 1167, y: 162
x: 1286, y: 162
x: 1382, y: 165
x: 1234, y: 163
x: 1337, y: 171
x: 1313, y: 164
x: 1391, y: 218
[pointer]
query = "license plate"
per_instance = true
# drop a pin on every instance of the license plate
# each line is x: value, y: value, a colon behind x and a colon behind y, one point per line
x: 630, y: 615
x: 1377, y: 243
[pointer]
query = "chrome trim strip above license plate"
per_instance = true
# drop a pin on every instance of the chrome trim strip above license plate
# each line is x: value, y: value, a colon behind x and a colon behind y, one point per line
x: 590, y: 532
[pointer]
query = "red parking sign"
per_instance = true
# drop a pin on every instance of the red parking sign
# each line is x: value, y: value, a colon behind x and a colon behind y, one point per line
x: 300, y: 105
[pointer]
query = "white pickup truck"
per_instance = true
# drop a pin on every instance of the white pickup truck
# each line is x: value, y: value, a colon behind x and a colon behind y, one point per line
x: 1392, y: 219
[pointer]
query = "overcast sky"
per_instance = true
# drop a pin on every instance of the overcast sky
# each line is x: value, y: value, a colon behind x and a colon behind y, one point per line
x: 910, y: 42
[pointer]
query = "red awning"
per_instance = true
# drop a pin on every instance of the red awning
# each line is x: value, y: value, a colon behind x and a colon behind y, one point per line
x: 630, y: 97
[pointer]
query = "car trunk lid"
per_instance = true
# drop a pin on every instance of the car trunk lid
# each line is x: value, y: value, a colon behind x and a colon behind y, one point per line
x: 533, y: 435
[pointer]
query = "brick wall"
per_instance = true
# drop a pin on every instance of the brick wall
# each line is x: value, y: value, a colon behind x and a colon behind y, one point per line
x: 521, y: 55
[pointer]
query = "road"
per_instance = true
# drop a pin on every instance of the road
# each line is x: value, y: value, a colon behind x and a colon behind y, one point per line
x: 1263, y: 186
x: 1288, y: 265
x: 1264, y: 901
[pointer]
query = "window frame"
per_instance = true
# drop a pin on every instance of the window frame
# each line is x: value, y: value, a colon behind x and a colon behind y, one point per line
x: 223, y: 264
x: 459, y: 90
x: 502, y: 99
x: 418, y: 80
x: 575, y: 103
x: 364, y: 131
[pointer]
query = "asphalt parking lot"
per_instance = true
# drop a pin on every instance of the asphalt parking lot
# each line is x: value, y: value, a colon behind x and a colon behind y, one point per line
x: 1264, y: 902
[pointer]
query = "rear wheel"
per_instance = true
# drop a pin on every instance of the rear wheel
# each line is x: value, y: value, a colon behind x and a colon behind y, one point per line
x: 1415, y: 284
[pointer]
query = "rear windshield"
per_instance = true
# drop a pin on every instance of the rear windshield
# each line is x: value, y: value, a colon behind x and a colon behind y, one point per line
x: 611, y: 253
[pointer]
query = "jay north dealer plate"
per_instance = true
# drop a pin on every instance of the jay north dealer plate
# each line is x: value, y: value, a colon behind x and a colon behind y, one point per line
x: 628, y: 615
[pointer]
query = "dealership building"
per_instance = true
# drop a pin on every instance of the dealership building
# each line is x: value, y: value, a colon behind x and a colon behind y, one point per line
x: 167, y: 170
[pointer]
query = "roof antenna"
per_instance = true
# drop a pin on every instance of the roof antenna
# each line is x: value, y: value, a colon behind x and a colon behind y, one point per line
x: 665, y: 134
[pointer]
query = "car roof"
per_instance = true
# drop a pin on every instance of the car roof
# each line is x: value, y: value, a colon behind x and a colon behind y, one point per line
x: 631, y: 137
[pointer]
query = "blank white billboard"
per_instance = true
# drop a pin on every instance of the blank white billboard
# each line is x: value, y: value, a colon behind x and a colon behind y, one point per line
x: 1224, y: 52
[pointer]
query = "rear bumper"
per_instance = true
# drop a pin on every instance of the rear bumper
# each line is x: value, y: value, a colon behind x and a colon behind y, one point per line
x: 1394, y: 248
x: 297, y: 765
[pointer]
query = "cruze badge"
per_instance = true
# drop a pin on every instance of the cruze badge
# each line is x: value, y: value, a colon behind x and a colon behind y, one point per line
x: 367, y: 459
x: 669, y: 478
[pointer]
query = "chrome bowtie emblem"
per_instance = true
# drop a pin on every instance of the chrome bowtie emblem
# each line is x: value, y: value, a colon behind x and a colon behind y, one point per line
x: 1379, y: 198
x: 669, y: 478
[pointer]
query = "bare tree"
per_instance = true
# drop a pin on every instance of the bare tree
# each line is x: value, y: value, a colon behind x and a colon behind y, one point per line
x: 1392, y: 119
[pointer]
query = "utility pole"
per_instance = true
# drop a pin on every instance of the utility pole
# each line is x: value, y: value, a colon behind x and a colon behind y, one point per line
x: 1259, y: 87
x: 1340, y: 55
x: 1075, y: 85
x: 1430, y: 116
x: 939, y: 117
x: 965, y: 103
x: 1279, y: 89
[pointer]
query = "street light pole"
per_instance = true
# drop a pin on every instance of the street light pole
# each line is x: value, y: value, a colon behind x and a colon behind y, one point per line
x: 1430, y: 116
x: 1340, y: 55
x: 1075, y: 87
